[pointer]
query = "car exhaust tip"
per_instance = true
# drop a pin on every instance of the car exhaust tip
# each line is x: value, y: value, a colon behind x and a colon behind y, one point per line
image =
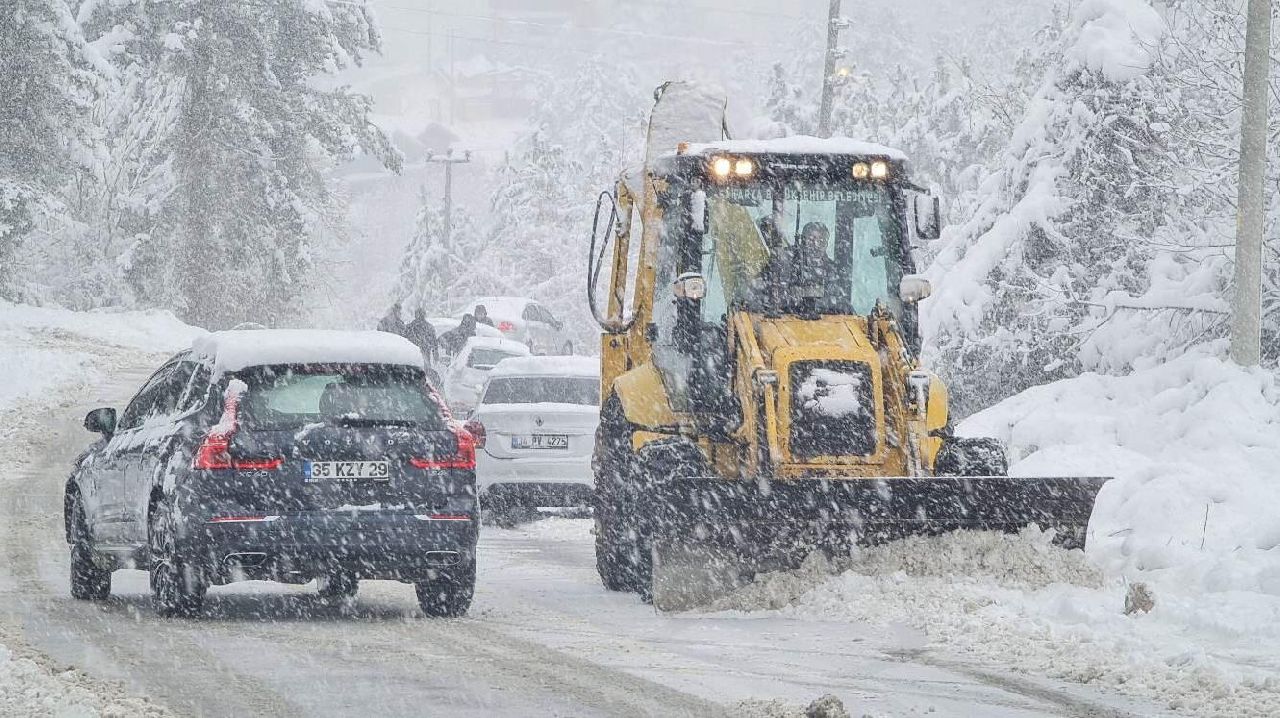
x: 443, y: 558
x: 246, y: 559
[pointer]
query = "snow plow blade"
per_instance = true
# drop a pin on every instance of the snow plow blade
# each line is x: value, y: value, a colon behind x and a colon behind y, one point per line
x: 711, y: 536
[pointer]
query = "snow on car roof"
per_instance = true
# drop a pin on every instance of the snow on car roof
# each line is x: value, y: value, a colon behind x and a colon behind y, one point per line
x: 800, y: 145
x: 507, y: 307
x: 235, y: 350
x: 444, y: 324
x: 548, y: 366
x: 506, y: 345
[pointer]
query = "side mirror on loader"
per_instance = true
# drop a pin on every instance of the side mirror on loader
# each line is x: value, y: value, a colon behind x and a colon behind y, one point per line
x: 913, y: 288
x: 927, y: 216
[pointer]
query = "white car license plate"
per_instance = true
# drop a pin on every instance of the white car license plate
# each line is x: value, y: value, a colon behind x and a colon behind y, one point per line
x: 540, y: 441
x: 348, y: 470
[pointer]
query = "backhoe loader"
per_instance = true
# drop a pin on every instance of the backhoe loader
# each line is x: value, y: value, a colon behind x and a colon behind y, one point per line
x: 762, y: 390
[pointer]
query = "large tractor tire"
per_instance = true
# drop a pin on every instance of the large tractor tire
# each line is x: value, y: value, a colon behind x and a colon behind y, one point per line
x: 621, y: 555
x: 965, y: 456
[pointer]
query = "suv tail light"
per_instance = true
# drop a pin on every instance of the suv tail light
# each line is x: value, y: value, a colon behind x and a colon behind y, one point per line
x: 477, y: 431
x: 464, y: 459
x: 215, y: 450
x: 506, y: 327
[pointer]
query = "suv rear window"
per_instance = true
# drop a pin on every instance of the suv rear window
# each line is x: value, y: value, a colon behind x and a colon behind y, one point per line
x: 543, y: 389
x: 359, y: 395
x: 487, y: 357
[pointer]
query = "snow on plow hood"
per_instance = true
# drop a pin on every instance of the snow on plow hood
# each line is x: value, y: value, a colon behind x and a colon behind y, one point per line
x: 833, y: 393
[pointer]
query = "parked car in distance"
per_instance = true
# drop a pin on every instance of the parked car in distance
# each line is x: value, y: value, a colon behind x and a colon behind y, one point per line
x: 535, y: 424
x: 525, y: 321
x: 466, y: 373
x: 286, y: 455
x: 441, y: 365
x: 444, y: 324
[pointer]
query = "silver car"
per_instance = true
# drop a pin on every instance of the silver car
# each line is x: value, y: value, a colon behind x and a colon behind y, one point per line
x: 526, y: 321
x: 465, y: 376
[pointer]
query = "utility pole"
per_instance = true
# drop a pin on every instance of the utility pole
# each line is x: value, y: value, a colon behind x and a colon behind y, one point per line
x: 1246, y: 314
x: 448, y: 160
x: 835, y: 24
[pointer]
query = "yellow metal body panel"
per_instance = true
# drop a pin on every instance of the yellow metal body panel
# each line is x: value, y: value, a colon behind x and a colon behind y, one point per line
x: 763, y: 348
x: 644, y: 399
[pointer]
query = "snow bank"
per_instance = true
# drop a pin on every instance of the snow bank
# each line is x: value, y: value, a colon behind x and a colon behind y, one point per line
x: 31, y: 685
x: 1194, y: 446
x: 152, y: 330
x: 43, y: 348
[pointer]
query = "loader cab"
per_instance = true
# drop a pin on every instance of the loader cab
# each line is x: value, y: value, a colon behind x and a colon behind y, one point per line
x: 779, y: 235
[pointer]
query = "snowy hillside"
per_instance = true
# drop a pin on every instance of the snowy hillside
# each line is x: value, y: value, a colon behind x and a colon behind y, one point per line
x: 45, y: 350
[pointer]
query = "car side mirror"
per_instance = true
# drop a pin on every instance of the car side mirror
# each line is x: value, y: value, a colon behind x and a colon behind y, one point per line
x: 913, y: 288
x: 927, y: 215
x: 101, y: 421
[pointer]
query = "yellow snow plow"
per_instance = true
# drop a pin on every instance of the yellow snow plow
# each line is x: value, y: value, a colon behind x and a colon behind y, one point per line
x: 763, y: 391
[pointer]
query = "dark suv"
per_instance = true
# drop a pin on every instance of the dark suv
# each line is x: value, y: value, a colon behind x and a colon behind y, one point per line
x: 287, y: 455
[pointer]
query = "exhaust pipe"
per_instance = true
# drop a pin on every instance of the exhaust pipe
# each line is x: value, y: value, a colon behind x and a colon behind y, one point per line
x: 443, y: 558
x: 246, y: 559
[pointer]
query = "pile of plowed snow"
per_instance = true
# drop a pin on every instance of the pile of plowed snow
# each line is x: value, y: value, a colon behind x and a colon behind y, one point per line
x: 43, y: 348
x: 1194, y: 446
x: 1026, y: 560
x: 33, y: 685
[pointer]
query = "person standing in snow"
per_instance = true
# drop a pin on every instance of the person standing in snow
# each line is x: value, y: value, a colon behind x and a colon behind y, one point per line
x: 482, y: 315
x: 421, y: 333
x: 392, y: 323
x: 452, y: 341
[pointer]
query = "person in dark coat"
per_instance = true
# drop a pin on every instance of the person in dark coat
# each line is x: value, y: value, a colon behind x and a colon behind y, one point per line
x: 421, y: 333
x: 482, y: 315
x: 452, y: 341
x: 392, y: 323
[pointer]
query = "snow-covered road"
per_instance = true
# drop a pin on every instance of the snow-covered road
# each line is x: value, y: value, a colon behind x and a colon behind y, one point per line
x: 543, y: 638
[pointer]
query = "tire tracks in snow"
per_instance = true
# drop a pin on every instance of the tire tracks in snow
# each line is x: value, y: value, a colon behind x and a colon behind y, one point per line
x: 1065, y: 700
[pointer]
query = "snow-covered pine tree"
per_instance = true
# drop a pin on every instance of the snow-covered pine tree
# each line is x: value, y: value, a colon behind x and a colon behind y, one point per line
x: 1056, y: 239
x: 427, y: 271
x: 47, y: 78
x: 249, y: 130
x: 787, y: 106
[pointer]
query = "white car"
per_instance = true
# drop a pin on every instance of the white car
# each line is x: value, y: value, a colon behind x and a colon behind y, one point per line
x: 538, y: 416
x: 466, y: 373
x: 525, y: 321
